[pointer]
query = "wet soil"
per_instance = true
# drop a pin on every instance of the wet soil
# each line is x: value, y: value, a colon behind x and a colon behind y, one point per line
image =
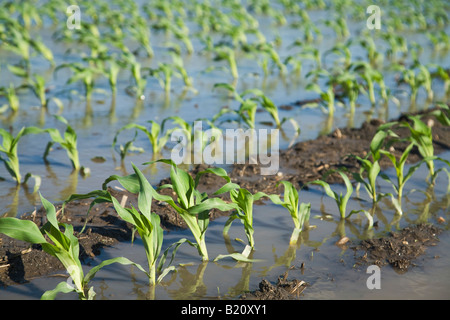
x: 300, y: 164
x: 284, y: 289
x: 398, y: 249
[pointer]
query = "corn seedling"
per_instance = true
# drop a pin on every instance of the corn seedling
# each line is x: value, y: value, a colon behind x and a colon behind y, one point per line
x: 148, y: 227
x: 227, y: 53
x: 86, y: 74
x: 243, y: 199
x: 327, y: 97
x: 13, y: 100
x: 373, y: 55
x: 191, y: 205
x: 62, y: 245
x: 399, y: 170
x: 348, y: 81
x: 141, y: 32
x: 9, y: 149
x: 343, y: 50
x: 299, y: 212
x: 69, y: 142
x: 444, y: 75
x: 340, y: 199
x: 370, y: 77
x: 140, y: 81
x: 422, y: 138
x: 372, y: 167
x: 157, y: 140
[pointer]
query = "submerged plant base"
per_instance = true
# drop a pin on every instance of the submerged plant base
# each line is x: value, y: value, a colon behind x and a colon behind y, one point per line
x: 304, y: 162
x: 399, y: 249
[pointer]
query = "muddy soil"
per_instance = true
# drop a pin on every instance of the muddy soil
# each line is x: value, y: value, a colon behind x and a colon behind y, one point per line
x: 398, y: 249
x: 284, y: 289
x: 300, y: 164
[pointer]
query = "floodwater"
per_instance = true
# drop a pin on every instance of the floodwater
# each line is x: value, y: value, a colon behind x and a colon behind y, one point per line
x: 327, y: 268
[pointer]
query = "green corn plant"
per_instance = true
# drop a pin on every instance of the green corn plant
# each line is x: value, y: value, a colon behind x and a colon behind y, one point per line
x: 13, y: 99
x: 9, y: 149
x: 179, y: 66
x: 141, y: 32
x: 148, y: 227
x: 300, y: 212
x: 18, y: 42
x: 339, y: 26
x: 326, y: 97
x: 69, y: 142
x: 440, y: 40
x: 399, y: 170
x: 373, y: 55
x: 340, y: 199
x: 193, y: 207
x: 62, y: 245
x: 341, y: 49
x: 113, y: 72
x: 397, y: 44
x: 348, y: 81
x: 270, y: 52
x: 227, y: 53
x: 422, y: 138
x: 136, y: 72
x: 370, y: 164
x: 86, y: 74
x: 247, y: 108
x: 164, y: 74
x: 244, y: 200
x: 371, y: 76
x: 155, y: 135
x: 444, y: 75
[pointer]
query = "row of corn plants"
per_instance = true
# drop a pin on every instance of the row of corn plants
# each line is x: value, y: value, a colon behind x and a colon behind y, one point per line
x: 195, y: 207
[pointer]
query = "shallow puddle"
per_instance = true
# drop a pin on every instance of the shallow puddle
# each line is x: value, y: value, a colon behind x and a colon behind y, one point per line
x: 327, y: 268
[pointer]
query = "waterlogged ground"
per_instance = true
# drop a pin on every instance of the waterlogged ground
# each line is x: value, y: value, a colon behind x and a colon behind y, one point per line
x: 330, y: 271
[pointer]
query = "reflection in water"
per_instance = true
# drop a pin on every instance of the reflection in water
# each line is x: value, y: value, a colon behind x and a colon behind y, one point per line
x: 14, y: 193
x: 192, y: 286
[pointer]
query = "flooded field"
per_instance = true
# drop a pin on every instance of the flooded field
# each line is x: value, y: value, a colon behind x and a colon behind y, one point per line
x: 330, y: 271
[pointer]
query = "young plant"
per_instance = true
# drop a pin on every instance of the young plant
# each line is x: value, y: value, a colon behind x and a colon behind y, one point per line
x: 227, y: 53
x: 193, y: 207
x: 86, y: 74
x: 13, y: 100
x: 299, y: 212
x: 69, y: 142
x: 370, y: 77
x: 62, y: 245
x: 422, y: 137
x: 9, y: 149
x: 135, y: 68
x: 244, y: 212
x: 157, y: 140
x: 327, y: 97
x: 341, y: 200
x: 372, y: 167
x: 148, y: 227
x: 399, y: 170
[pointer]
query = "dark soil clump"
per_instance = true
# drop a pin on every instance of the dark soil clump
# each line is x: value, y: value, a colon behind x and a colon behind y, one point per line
x: 283, y: 290
x: 398, y: 249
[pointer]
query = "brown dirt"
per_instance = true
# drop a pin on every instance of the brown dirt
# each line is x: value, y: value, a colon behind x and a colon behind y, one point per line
x: 300, y: 164
x: 398, y: 249
x: 284, y: 289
